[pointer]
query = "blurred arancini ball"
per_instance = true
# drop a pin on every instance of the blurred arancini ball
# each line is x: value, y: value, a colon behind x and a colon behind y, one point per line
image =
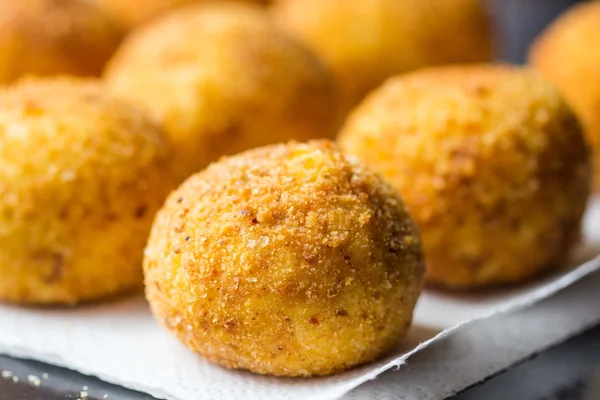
x: 568, y: 55
x: 132, y: 13
x: 82, y: 175
x: 366, y: 42
x: 289, y: 259
x: 54, y: 37
x: 221, y: 78
x: 491, y: 162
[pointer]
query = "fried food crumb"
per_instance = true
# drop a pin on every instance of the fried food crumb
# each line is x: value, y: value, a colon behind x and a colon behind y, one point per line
x: 301, y: 262
x: 221, y: 78
x: 69, y: 227
x: 491, y: 162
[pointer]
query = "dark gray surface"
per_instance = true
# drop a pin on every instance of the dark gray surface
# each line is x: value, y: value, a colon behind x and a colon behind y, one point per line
x: 570, y: 371
x: 60, y: 384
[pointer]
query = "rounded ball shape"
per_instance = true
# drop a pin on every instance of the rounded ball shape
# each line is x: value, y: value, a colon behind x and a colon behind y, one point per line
x: 286, y: 260
x: 132, y: 13
x: 365, y: 42
x: 81, y: 176
x: 491, y: 162
x: 567, y: 55
x: 222, y: 79
x: 52, y: 37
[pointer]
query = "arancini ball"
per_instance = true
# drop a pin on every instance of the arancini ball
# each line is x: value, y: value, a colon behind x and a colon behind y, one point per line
x: 568, y: 55
x: 288, y: 260
x: 491, y: 162
x: 221, y: 79
x: 82, y: 175
x: 54, y: 37
x: 366, y: 42
x: 132, y: 13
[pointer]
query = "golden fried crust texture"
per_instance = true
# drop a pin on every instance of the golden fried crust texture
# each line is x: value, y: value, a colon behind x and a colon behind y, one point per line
x: 491, y: 162
x: 365, y: 42
x: 52, y: 37
x: 132, y: 13
x: 568, y: 55
x: 81, y: 176
x: 222, y: 79
x: 286, y: 260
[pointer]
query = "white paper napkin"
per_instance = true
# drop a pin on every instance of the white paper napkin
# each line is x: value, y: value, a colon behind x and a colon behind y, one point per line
x: 121, y: 343
x: 485, y: 348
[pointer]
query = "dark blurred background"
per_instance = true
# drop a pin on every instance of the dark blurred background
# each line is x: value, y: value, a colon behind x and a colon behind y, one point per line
x: 518, y: 22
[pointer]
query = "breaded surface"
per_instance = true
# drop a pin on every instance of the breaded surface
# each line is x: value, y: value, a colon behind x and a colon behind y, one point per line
x: 367, y: 41
x: 82, y: 176
x: 53, y: 37
x: 568, y: 54
x: 286, y: 260
x: 491, y: 163
x: 222, y: 79
x: 132, y: 13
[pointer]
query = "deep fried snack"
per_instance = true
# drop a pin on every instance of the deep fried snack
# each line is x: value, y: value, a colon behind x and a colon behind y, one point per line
x: 53, y: 37
x: 82, y: 176
x: 492, y: 164
x: 222, y: 79
x: 132, y: 13
x: 365, y: 42
x: 286, y: 260
x: 568, y: 55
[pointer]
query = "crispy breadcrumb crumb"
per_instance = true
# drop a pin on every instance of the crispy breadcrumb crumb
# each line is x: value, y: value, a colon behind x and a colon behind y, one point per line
x: 221, y: 78
x: 77, y: 166
x: 492, y: 164
x: 299, y: 262
x: 567, y: 55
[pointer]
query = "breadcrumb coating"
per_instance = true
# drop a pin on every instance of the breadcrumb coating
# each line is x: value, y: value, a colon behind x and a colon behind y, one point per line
x: 491, y: 162
x: 222, y: 79
x: 132, y: 13
x: 54, y: 37
x: 286, y: 260
x: 567, y: 55
x: 366, y: 42
x: 82, y: 175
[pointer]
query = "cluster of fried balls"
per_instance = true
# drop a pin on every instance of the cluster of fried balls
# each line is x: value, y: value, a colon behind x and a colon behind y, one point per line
x: 186, y: 146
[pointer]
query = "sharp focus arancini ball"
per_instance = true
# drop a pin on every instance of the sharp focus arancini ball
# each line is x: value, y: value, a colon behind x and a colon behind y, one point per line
x: 53, y: 37
x: 222, y: 79
x: 491, y: 163
x: 367, y: 41
x: 132, y: 13
x: 286, y: 260
x: 81, y: 177
x: 568, y: 54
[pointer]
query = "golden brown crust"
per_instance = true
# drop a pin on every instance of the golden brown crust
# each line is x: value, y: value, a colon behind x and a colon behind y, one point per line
x: 491, y: 163
x: 286, y: 260
x: 567, y: 55
x: 82, y: 175
x: 132, y: 13
x: 365, y: 42
x: 52, y: 37
x: 222, y: 79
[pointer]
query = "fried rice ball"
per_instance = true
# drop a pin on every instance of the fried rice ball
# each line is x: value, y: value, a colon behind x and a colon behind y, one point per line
x: 222, y: 79
x: 81, y: 176
x: 366, y: 42
x: 132, y: 13
x: 568, y: 55
x: 491, y: 162
x: 288, y: 260
x: 53, y: 37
